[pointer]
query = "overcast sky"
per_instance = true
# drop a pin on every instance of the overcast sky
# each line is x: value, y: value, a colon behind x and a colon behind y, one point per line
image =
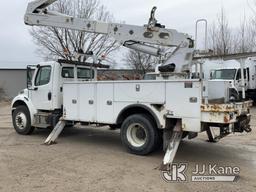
x: 17, y: 48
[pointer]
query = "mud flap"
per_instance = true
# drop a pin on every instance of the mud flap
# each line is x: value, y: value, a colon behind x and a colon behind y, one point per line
x: 55, y: 132
x: 172, y: 147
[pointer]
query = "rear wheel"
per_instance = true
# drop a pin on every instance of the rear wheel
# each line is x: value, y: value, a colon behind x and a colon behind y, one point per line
x: 21, y: 120
x: 139, y: 134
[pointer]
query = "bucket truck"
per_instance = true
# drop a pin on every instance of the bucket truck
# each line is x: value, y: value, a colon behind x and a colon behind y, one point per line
x: 147, y: 112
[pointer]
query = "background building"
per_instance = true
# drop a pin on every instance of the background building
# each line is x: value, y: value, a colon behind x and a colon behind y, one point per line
x: 12, y: 81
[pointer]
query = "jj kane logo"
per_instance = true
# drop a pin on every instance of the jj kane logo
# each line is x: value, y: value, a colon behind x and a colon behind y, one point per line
x: 201, y: 173
x: 175, y: 173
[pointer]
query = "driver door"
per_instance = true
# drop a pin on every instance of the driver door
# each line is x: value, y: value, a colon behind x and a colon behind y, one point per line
x: 42, y: 92
x: 238, y: 81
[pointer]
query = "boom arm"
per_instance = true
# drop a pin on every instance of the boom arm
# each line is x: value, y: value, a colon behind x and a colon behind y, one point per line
x: 131, y: 36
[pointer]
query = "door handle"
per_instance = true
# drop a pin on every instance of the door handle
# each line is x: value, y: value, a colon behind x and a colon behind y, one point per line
x: 49, y: 96
x: 36, y: 88
x: 109, y: 102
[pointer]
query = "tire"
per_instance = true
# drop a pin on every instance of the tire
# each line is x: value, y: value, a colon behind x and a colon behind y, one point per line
x: 139, y: 134
x: 21, y: 121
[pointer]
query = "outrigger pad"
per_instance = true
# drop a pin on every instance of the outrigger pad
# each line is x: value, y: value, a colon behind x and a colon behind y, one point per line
x: 172, y: 147
x: 55, y: 132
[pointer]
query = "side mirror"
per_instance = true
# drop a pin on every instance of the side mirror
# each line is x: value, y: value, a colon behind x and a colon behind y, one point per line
x: 211, y: 74
x: 29, y: 84
x: 30, y: 71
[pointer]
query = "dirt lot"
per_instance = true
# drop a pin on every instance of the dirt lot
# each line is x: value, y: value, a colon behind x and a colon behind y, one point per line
x: 94, y: 160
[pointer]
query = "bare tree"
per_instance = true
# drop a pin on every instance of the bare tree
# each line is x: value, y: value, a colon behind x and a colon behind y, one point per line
x: 226, y: 40
x: 62, y: 43
x: 251, y: 26
x: 221, y: 35
x: 245, y: 37
x: 140, y: 62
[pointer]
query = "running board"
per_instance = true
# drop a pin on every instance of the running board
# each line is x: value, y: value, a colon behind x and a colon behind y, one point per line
x: 55, y: 132
x: 172, y: 147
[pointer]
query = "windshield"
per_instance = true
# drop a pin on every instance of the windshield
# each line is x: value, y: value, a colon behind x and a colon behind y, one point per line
x: 226, y: 74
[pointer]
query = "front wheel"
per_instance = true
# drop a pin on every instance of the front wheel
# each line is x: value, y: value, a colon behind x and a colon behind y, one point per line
x: 139, y: 134
x: 21, y: 120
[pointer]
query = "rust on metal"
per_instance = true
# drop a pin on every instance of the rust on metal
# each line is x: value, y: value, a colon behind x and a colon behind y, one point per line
x: 218, y: 108
x: 226, y: 119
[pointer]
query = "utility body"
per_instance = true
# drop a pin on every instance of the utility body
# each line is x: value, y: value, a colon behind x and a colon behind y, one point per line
x: 148, y: 112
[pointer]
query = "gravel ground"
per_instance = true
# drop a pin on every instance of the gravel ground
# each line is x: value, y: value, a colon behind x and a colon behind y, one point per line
x: 92, y: 159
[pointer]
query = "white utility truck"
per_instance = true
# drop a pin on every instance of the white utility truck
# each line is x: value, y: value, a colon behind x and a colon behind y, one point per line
x: 230, y: 71
x: 148, y: 112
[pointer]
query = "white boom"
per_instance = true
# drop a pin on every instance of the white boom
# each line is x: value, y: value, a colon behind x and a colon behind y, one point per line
x: 131, y: 36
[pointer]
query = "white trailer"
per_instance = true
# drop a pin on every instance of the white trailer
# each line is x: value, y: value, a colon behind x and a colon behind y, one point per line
x: 146, y: 111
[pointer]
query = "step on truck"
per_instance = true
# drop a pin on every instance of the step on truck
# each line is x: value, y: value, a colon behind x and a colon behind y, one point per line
x: 149, y: 113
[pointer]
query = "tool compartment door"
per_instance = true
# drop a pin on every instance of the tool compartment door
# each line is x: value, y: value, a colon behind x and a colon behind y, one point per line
x: 140, y: 91
x: 105, y: 103
x: 70, y: 102
x: 87, y: 102
x: 183, y: 101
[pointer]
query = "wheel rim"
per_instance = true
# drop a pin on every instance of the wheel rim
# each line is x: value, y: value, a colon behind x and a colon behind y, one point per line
x: 136, y: 135
x: 21, y: 120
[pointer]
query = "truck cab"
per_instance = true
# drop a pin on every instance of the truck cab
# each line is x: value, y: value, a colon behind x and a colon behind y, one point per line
x: 43, y: 97
x: 47, y: 83
x: 232, y: 75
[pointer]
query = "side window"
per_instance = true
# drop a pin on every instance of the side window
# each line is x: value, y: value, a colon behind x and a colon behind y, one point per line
x: 238, y: 76
x: 84, y: 73
x: 43, y: 76
x: 248, y: 74
x: 67, y: 72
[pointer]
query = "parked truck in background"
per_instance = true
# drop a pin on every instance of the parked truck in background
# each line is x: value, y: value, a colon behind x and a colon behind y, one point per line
x: 231, y: 71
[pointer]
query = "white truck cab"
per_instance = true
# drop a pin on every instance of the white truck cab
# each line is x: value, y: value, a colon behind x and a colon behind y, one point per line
x: 47, y: 85
x: 44, y: 93
x: 230, y: 72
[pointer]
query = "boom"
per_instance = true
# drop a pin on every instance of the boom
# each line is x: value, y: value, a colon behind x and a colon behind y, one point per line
x: 131, y: 36
x: 147, y: 38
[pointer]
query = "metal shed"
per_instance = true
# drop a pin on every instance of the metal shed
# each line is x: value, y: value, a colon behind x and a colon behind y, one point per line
x: 12, y: 81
